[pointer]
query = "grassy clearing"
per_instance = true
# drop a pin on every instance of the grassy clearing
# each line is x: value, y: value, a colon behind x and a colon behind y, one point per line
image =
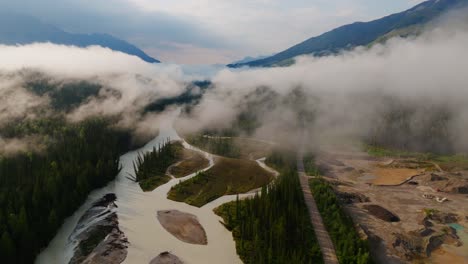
x: 193, y: 162
x: 215, y: 145
x: 446, y: 162
x: 253, y: 149
x: 150, y: 184
x: 235, y: 147
x: 227, y: 176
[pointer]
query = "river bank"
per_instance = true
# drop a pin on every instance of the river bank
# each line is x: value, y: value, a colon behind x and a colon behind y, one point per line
x: 137, y: 216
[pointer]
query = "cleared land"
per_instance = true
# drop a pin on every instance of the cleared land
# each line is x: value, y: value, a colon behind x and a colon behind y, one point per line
x: 227, y: 176
x: 427, y: 205
x: 392, y: 176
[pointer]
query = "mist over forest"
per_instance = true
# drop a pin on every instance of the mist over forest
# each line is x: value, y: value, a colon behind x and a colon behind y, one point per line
x: 97, y: 146
x: 410, y: 88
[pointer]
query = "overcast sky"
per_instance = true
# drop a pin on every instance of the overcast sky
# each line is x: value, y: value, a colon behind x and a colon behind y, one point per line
x: 206, y: 31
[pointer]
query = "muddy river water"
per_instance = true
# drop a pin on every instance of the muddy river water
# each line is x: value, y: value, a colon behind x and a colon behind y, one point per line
x: 137, y: 212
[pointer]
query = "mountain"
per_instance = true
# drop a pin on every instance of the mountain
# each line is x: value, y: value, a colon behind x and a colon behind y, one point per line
x: 361, y: 33
x: 250, y: 59
x: 21, y: 29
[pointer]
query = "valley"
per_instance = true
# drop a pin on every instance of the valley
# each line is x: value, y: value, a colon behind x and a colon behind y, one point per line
x: 349, y: 147
x: 138, y: 216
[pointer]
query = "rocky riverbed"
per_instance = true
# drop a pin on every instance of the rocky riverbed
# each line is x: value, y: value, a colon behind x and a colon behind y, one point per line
x: 97, y: 235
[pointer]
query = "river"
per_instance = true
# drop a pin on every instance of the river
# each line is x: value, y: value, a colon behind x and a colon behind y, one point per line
x: 137, y: 216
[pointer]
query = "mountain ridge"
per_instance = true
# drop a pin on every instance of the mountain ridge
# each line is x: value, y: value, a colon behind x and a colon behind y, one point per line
x: 17, y: 29
x: 358, y: 33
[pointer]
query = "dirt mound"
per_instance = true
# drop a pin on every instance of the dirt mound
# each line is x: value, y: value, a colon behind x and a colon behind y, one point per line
x: 443, y: 218
x: 449, y: 238
x: 381, y: 213
x: 446, y: 182
x: 409, y: 246
x: 426, y: 232
x: 351, y: 198
x: 460, y: 189
x: 426, y: 222
x: 436, y: 177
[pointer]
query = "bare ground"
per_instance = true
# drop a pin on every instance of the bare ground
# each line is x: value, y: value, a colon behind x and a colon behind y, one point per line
x: 393, y: 176
x: 183, y: 226
x: 408, y: 240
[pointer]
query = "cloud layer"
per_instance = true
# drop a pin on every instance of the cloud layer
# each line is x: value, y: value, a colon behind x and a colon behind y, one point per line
x: 414, y: 90
x: 409, y: 92
x: 127, y: 84
x: 205, y: 31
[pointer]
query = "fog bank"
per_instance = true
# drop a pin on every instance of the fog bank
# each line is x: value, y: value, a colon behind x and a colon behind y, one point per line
x: 409, y: 93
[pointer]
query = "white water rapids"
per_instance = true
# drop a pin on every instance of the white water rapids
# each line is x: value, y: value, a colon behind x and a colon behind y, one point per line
x: 137, y: 216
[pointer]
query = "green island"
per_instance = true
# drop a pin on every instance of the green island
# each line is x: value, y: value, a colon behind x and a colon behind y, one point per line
x: 227, y: 176
x: 155, y: 168
x: 150, y: 168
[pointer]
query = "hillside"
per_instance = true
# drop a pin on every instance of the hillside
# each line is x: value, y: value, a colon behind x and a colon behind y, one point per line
x: 19, y: 29
x: 360, y: 33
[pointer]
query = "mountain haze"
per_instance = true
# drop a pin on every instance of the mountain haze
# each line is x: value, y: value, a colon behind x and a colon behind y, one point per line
x: 21, y: 29
x: 361, y: 33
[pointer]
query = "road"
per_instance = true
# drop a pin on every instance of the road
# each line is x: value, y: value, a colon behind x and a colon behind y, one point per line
x: 326, y: 244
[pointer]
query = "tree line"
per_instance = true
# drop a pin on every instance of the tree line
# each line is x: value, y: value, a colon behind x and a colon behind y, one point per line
x: 274, y: 227
x: 150, y: 168
x: 38, y: 190
x: 222, y: 146
x: 349, y: 246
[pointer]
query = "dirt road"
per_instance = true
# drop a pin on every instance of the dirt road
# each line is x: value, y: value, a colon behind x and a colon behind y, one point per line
x: 326, y: 245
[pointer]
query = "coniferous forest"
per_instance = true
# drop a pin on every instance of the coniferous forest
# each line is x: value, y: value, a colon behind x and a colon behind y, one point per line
x: 350, y: 248
x: 223, y: 146
x: 150, y: 168
x: 273, y: 227
x: 39, y: 189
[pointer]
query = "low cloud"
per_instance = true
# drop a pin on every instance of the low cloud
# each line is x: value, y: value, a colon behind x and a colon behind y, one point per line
x: 14, y: 145
x: 412, y: 90
x: 409, y: 92
x: 126, y: 84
